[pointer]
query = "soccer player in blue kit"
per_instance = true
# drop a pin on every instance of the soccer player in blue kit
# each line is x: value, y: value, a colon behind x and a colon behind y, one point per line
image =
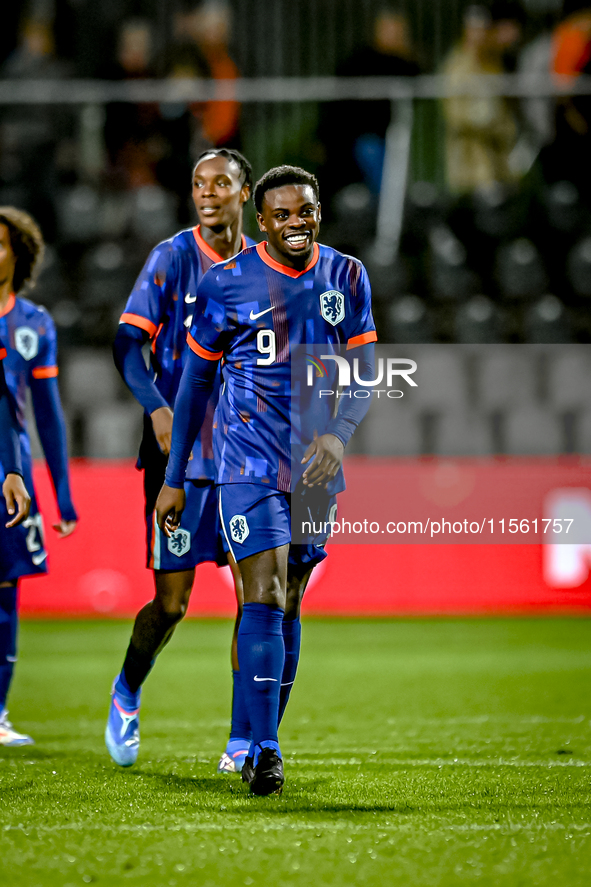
x: 13, y: 488
x: 28, y: 334
x: 254, y: 312
x: 160, y: 310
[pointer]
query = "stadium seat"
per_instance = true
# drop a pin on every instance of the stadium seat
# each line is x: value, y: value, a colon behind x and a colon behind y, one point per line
x: 533, y: 431
x: 424, y: 208
x: 579, y: 267
x: 463, y: 433
x: 478, y: 321
x: 51, y: 284
x: 506, y: 376
x: 112, y: 431
x: 563, y: 206
x: 583, y: 433
x: 389, y: 278
x: 78, y: 213
x: 408, y: 321
x: 520, y: 271
x: 89, y: 377
x: 450, y: 276
x: 569, y: 377
x: 106, y: 277
x: 354, y: 205
x: 391, y: 428
x: 153, y: 214
x: 441, y: 378
x: 496, y: 211
x: 547, y: 322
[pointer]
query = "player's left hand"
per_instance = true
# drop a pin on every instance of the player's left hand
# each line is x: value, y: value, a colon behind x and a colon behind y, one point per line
x: 169, y: 508
x: 17, y: 498
x: 329, y: 452
x: 65, y: 528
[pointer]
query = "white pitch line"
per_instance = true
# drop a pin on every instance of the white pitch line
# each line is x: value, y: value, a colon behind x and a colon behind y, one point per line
x: 440, y: 762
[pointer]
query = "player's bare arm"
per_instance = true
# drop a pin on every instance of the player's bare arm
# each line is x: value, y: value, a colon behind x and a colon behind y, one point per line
x: 169, y: 508
x: 17, y: 498
x: 162, y: 425
x: 328, y: 452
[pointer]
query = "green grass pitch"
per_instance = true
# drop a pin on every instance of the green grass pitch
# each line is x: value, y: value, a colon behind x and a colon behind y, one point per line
x: 436, y: 753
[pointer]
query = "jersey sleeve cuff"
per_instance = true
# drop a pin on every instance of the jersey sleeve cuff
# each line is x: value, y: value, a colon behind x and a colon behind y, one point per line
x: 363, y: 339
x: 45, y: 372
x: 142, y: 322
x: 203, y: 352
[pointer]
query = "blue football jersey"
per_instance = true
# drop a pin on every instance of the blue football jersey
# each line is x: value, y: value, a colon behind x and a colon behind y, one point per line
x: 255, y: 313
x: 162, y: 303
x: 29, y: 337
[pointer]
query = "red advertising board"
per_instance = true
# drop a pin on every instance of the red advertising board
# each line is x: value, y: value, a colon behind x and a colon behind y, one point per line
x: 99, y: 571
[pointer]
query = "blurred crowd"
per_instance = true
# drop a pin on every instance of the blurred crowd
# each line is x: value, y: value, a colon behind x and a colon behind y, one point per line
x: 494, y: 246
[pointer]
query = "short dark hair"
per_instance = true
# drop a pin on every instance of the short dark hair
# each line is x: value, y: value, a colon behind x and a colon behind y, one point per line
x: 280, y: 176
x: 27, y: 245
x: 232, y: 155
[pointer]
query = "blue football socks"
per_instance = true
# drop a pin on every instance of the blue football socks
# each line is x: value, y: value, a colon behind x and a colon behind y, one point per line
x: 261, y: 653
x: 240, y: 726
x: 8, y: 632
x: 292, y: 637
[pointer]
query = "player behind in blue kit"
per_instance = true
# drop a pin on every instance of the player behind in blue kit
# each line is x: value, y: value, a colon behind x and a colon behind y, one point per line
x: 254, y: 312
x: 160, y: 310
x: 18, y: 501
x: 28, y: 334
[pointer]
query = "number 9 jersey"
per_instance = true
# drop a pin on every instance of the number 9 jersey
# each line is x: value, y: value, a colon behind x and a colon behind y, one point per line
x: 254, y: 313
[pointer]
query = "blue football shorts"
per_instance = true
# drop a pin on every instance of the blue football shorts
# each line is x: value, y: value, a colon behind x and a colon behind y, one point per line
x: 195, y: 541
x: 22, y: 548
x: 255, y: 518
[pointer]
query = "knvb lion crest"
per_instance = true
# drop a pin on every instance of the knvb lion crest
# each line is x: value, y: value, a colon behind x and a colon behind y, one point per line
x: 332, y: 306
x: 180, y: 542
x: 239, y: 529
x: 26, y: 342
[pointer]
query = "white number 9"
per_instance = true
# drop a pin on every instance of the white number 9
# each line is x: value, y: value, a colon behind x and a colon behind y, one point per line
x: 266, y: 345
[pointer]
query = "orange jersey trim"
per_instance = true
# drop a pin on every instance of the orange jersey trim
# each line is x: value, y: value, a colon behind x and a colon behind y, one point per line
x: 3, y: 353
x: 9, y: 305
x: 45, y: 372
x: 207, y: 249
x: 363, y: 339
x: 142, y: 322
x: 202, y: 352
x: 261, y: 249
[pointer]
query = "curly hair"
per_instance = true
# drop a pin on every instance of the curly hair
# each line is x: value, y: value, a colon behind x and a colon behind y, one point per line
x: 27, y: 245
x: 234, y: 157
x: 280, y: 176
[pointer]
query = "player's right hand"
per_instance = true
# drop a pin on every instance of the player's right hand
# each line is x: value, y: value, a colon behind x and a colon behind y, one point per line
x: 169, y: 508
x: 162, y: 425
x: 17, y: 498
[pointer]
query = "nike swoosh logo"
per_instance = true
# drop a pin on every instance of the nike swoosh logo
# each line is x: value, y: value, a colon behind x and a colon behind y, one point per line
x: 125, y: 722
x: 256, y: 677
x: 254, y: 316
x: 189, y: 299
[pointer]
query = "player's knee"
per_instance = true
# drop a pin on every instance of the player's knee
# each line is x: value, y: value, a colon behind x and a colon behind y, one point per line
x: 274, y: 595
x: 172, y: 611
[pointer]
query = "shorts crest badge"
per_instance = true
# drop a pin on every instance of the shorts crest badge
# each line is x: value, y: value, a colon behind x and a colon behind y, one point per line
x: 239, y: 528
x: 332, y: 306
x: 180, y: 542
x: 26, y: 342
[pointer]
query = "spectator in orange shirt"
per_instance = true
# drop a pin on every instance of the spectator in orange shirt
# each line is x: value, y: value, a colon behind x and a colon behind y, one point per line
x: 568, y: 157
x: 208, y: 26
